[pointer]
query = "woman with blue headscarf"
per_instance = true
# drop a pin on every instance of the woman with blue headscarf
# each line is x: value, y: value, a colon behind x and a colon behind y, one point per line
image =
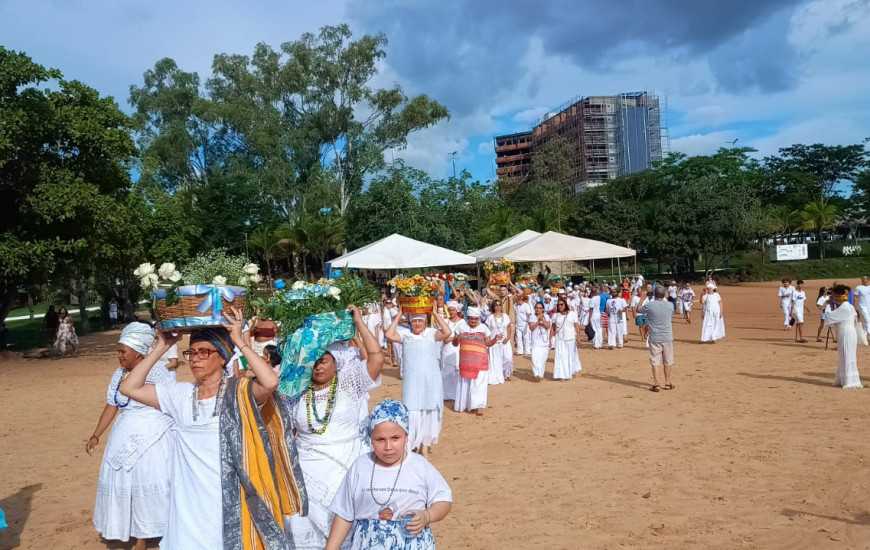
x: 389, y: 497
x: 133, y: 489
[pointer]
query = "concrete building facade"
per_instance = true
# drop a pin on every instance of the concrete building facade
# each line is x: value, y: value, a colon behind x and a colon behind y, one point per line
x: 613, y: 135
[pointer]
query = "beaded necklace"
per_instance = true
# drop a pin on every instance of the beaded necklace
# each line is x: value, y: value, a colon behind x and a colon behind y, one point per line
x: 217, y: 403
x: 395, y: 482
x: 118, y: 388
x: 311, y: 405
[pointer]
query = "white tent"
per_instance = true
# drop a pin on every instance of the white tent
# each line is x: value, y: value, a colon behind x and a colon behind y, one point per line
x: 399, y: 252
x: 492, y: 251
x: 556, y: 247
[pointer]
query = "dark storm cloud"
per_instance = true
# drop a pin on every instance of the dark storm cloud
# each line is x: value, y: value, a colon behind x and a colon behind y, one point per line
x: 468, y: 51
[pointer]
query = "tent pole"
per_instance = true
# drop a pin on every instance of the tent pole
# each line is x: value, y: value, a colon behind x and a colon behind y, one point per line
x: 619, y: 266
x: 611, y: 268
x: 635, y: 263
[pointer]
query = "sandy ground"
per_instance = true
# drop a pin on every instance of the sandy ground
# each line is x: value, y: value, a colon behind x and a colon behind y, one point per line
x: 754, y: 449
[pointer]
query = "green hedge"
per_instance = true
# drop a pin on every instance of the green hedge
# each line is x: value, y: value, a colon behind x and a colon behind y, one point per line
x: 829, y: 268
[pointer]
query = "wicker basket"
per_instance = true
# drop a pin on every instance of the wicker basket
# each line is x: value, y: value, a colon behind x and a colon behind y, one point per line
x: 498, y: 278
x: 416, y: 304
x: 195, y: 307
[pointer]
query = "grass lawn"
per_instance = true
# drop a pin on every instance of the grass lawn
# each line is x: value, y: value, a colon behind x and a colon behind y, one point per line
x: 29, y: 334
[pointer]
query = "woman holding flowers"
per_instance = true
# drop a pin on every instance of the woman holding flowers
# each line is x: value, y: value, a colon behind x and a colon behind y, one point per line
x: 422, y: 388
x: 231, y: 441
x: 327, y: 420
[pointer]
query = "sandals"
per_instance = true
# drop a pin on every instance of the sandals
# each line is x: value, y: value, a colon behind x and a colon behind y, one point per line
x: 655, y: 388
x: 669, y: 387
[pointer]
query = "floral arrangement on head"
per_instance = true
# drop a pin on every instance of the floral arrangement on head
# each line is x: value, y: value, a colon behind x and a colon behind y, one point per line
x: 500, y: 265
x: 215, y: 268
x: 557, y: 278
x: 289, y: 307
x: 414, y: 286
x: 440, y: 277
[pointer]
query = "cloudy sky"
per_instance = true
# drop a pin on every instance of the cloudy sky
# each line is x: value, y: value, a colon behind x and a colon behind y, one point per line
x: 768, y: 72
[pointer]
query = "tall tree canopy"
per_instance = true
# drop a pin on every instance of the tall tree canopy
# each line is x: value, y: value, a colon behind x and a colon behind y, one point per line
x: 65, y: 155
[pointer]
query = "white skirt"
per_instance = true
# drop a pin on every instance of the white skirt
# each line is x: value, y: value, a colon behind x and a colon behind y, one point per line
x: 471, y: 394
x: 567, y: 361
x: 712, y: 326
x: 449, y: 374
x: 424, y: 427
x: 539, y: 360
x: 134, y: 502
x: 501, y: 360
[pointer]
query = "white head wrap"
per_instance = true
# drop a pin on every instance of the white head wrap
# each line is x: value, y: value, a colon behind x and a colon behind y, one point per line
x: 473, y: 312
x: 711, y: 286
x: 561, y: 291
x: 454, y: 305
x: 418, y: 316
x: 138, y: 337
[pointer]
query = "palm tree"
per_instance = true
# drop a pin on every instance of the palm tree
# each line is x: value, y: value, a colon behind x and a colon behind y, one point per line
x: 501, y: 224
x: 818, y: 216
x: 267, y: 243
x: 326, y: 235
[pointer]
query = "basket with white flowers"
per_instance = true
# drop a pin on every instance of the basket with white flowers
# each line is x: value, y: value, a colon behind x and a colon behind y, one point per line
x: 198, y: 296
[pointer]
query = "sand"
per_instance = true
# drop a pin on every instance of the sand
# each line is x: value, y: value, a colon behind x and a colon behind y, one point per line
x: 753, y: 449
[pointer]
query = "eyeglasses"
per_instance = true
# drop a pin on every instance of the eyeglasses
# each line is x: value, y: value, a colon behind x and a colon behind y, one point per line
x: 201, y: 353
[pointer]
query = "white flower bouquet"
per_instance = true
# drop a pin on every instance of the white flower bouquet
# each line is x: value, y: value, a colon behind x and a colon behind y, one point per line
x: 198, y: 295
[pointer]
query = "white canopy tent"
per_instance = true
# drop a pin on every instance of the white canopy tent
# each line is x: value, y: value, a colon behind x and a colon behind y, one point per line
x: 554, y: 247
x: 400, y: 252
x: 492, y: 251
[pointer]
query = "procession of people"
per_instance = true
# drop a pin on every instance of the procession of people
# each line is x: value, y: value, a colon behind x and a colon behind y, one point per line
x: 228, y: 461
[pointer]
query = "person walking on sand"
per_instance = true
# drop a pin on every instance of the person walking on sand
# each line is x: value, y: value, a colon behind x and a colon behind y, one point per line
x: 615, y: 306
x: 713, y: 325
x: 687, y: 296
x: 659, y: 314
x: 798, y: 307
x: 822, y: 302
x: 842, y: 316
x: 786, y: 292
x: 862, y: 292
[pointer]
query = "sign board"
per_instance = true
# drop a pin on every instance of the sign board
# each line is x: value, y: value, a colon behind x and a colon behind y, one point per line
x: 788, y: 252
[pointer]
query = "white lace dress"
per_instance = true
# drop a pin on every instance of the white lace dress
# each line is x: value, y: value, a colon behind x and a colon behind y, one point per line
x: 134, y: 484
x: 501, y: 356
x: 325, y: 458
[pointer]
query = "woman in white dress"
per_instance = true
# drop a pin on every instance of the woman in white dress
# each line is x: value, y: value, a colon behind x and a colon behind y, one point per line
x: 133, y: 489
x: 501, y: 355
x: 713, y: 324
x: 450, y: 354
x: 328, y: 422
x: 422, y: 387
x: 66, y: 338
x: 472, y: 339
x: 220, y: 448
x: 540, y: 327
x: 566, y: 331
x: 843, y: 316
x: 583, y: 318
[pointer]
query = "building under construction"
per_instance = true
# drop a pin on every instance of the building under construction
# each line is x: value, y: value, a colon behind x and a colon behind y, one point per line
x: 614, y: 136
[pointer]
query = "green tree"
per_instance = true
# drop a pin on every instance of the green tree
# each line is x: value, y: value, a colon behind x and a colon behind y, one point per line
x: 65, y: 154
x: 817, y: 169
x: 818, y: 216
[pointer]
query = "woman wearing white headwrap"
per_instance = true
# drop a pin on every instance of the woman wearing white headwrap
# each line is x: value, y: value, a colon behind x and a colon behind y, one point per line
x: 473, y: 339
x: 133, y: 489
x: 450, y: 354
x: 422, y: 389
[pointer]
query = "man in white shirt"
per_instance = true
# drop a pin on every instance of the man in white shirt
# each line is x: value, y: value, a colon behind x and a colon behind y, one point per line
x: 687, y: 296
x: 672, y: 294
x: 614, y: 308
x: 524, y: 337
x: 862, y: 293
x: 786, y: 291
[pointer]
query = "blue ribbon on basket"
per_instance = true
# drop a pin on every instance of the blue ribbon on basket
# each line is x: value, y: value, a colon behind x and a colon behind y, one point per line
x: 213, y: 294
